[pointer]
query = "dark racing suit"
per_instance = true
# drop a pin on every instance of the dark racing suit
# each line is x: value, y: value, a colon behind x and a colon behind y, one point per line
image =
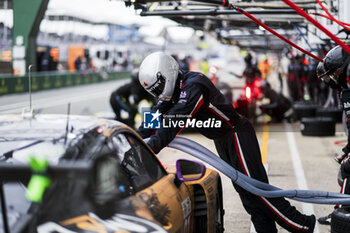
x: 344, y: 157
x: 119, y: 100
x: 251, y: 72
x: 196, y: 97
x: 345, y: 163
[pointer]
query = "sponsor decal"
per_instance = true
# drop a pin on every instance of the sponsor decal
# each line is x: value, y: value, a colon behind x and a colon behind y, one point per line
x: 191, y: 123
x: 183, y: 95
x: 346, y: 105
x: 209, y: 180
x: 182, y: 98
x: 153, y: 120
x: 186, y: 208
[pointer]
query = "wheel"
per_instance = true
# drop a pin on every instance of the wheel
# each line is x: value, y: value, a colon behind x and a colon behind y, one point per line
x: 317, y: 126
x: 335, y: 113
x: 340, y: 221
x: 220, y: 212
x: 304, y: 110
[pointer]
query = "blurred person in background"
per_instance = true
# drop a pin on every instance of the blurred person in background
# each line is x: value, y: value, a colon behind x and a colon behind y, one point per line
x: 185, y: 64
x: 78, y: 63
x: 283, y: 64
x: 126, y: 99
x: 188, y: 95
x: 204, y: 66
x: 294, y: 81
x: 251, y: 71
x: 264, y: 67
x: 87, y: 61
x: 278, y: 107
x: 305, y: 72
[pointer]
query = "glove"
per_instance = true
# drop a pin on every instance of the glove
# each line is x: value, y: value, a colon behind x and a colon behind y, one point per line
x: 345, y: 168
x: 339, y: 158
x: 343, y: 155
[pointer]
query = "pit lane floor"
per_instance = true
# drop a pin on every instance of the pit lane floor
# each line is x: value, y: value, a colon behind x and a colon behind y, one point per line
x: 293, y: 162
x: 313, y: 167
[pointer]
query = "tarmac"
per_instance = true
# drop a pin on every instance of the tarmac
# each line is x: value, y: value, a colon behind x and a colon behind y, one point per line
x: 293, y: 161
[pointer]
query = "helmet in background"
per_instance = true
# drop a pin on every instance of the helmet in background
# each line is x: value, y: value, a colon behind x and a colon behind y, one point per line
x: 248, y: 58
x: 333, y: 68
x: 135, y: 75
x: 158, y: 74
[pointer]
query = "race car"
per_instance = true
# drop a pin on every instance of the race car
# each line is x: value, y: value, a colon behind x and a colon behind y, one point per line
x: 82, y: 174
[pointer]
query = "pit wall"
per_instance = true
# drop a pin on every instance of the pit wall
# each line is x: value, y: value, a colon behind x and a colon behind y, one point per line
x: 10, y: 84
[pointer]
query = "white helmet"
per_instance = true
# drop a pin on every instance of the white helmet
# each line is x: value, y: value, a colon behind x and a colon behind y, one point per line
x: 158, y: 74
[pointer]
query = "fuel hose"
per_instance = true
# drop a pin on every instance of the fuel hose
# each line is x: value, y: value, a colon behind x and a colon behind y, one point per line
x: 240, y: 10
x: 300, y: 12
x: 226, y: 3
x: 327, y: 17
x: 331, y: 16
x: 252, y: 185
x: 318, y: 25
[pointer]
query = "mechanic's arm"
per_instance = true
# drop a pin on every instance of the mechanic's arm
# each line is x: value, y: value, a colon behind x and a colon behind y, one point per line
x: 191, y: 99
x: 123, y: 92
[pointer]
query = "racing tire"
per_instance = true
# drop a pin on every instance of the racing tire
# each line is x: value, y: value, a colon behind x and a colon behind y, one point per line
x: 304, y: 110
x: 335, y: 113
x: 340, y: 220
x: 317, y: 126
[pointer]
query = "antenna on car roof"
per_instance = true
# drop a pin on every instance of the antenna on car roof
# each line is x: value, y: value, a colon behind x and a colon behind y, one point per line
x: 30, y: 113
x: 67, y: 125
x: 30, y: 86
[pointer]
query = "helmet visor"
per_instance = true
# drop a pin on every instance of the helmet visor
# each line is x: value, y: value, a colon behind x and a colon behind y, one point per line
x: 158, y: 87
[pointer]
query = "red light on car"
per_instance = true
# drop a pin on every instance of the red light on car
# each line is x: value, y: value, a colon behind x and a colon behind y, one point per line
x: 248, y: 92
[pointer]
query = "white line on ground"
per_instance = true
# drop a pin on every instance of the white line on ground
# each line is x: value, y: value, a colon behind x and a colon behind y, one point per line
x: 299, y: 171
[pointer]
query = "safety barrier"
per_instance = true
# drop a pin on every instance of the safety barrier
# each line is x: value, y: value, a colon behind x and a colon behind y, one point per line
x: 10, y: 84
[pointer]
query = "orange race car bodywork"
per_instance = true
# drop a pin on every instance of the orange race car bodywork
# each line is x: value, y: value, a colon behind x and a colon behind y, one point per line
x: 105, y: 179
